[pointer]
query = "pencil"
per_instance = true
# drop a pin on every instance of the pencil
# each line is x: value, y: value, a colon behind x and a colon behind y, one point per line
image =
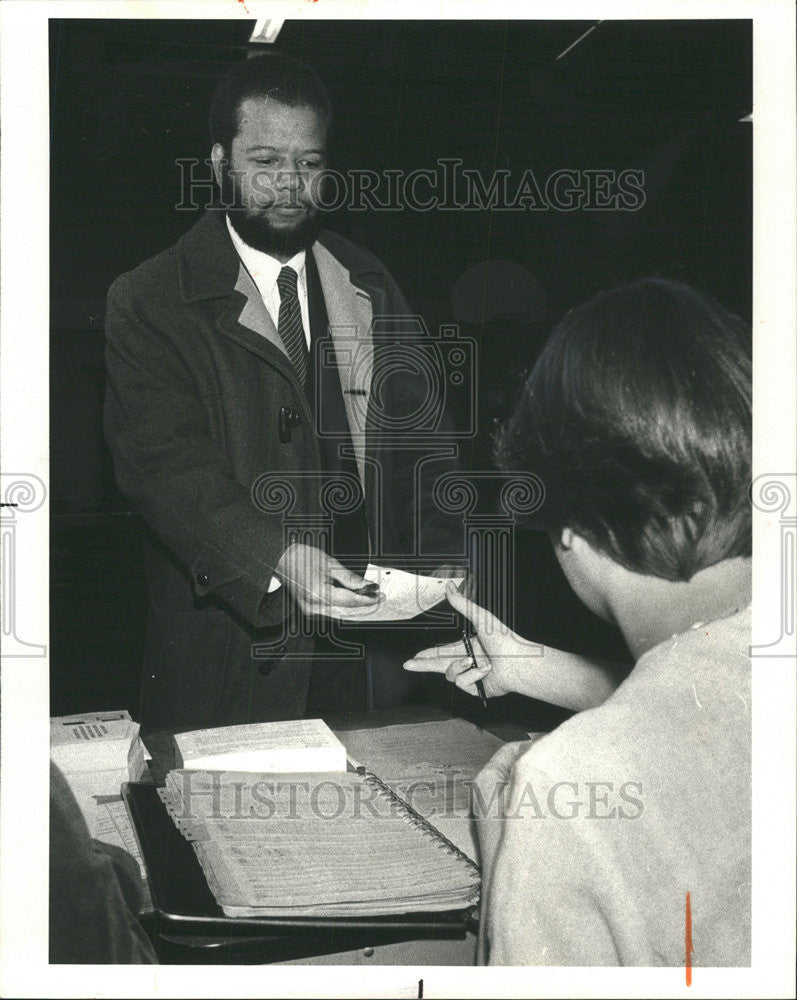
x: 479, y: 686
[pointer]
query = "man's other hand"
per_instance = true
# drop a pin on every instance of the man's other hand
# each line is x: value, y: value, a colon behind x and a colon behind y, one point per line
x: 318, y: 582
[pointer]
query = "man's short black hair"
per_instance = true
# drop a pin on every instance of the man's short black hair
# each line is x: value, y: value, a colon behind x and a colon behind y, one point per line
x: 274, y: 74
x: 637, y: 417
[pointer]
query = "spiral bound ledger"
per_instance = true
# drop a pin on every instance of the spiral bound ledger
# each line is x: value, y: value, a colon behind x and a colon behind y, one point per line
x: 415, y: 818
x: 317, y: 844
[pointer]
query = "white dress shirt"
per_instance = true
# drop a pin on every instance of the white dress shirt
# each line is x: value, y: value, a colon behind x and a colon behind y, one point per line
x: 264, y: 271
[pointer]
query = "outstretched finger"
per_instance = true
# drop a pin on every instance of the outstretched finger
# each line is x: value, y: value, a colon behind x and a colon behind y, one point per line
x: 448, y: 650
x: 428, y: 663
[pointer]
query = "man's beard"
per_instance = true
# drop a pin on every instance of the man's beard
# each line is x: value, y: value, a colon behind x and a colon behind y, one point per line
x: 261, y: 234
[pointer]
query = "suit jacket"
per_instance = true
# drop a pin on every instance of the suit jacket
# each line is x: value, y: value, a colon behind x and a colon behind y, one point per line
x: 197, y: 376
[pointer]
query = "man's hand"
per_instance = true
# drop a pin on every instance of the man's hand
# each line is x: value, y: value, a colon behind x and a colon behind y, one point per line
x: 500, y: 653
x: 318, y: 582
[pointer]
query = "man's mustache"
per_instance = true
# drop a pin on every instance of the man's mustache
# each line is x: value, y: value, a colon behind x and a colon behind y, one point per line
x: 267, y: 187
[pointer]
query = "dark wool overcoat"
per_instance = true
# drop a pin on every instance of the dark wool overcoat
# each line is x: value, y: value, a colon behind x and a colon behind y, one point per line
x: 197, y: 377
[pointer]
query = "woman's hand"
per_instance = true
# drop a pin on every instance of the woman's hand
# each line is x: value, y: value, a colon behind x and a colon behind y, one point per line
x: 506, y: 662
x: 500, y: 654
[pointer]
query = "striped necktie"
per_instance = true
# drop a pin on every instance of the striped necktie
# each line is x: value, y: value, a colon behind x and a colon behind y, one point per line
x: 289, y: 322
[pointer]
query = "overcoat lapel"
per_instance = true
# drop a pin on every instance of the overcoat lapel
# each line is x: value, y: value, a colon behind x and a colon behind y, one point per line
x: 350, y: 313
x: 246, y: 320
x: 254, y: 315
x: 209, y: 269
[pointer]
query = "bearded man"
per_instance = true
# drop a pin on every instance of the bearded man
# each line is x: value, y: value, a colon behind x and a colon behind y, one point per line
x: 240, y: 367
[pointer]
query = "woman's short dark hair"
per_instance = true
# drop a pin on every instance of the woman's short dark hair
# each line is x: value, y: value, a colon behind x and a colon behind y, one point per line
x: 273, y: 74
x: 637, y: 418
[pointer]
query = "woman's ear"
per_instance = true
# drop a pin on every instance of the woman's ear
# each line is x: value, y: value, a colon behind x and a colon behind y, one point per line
x: 587, y: 570
x: 218, y: 158
x: 566, y: 537
x: 570, y: 546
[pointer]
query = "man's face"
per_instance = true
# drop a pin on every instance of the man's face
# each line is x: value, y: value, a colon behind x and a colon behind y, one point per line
x: 270, y: 185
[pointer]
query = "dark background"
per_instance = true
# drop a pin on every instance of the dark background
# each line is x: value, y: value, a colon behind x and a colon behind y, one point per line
x: 129, y: 98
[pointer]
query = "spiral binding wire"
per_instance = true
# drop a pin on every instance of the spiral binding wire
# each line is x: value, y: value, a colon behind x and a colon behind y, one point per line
x: 195, y: 831
x: 416, y: 819
x: 188, y: 826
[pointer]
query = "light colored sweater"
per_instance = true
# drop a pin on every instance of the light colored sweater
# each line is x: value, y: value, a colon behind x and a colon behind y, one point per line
x: 658, y: 788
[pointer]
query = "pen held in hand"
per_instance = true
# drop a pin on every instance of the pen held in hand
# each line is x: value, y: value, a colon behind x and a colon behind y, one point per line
x: 479, y: 686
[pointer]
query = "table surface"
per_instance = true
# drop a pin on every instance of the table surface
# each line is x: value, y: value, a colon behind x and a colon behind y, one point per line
x: 320, y: 944
x: 160, y: 743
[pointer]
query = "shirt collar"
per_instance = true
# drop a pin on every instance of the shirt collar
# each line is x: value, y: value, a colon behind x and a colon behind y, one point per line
x: 263, y: 268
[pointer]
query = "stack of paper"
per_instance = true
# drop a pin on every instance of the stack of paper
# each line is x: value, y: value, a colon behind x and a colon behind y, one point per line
x: 114, y: 827
x: 275, y: 747
x: 97, y: 752
x: 315, y: 844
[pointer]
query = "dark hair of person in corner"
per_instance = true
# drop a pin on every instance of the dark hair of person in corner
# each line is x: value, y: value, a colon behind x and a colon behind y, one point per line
x: 637, y: 418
